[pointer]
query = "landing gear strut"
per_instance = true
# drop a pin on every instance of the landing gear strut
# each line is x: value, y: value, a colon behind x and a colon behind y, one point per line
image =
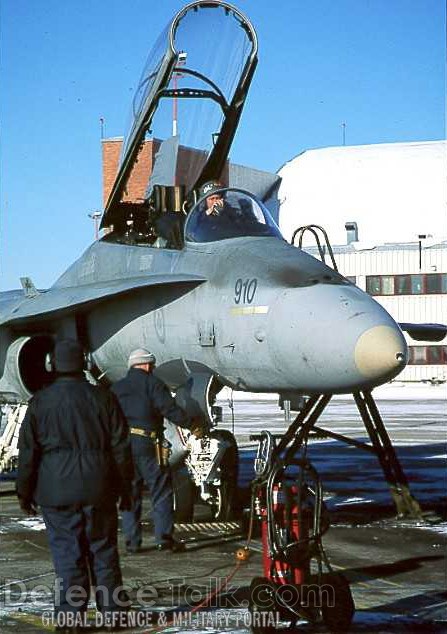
x: 287, y: 498
x: 381, y: 446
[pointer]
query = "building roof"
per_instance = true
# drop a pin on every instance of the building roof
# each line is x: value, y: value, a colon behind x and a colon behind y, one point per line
x: 379, y: 248
x: 395, y: 191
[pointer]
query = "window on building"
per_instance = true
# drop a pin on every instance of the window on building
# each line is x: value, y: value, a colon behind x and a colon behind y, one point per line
x: 373, y: 286
x: 437, y: 355
x: 402, y: 284
x: 351, y: 278
x: 427, y: 355
x: 433, y: 283
x: 387, y: 285
x: 417, y: 284
x: 417, y: 355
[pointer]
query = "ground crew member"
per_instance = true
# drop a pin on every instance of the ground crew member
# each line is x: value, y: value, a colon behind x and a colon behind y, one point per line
x: 75, y: 462
x: 145, y: 400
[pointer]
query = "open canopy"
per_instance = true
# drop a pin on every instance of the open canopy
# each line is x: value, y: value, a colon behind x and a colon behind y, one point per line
x: 188, y: 103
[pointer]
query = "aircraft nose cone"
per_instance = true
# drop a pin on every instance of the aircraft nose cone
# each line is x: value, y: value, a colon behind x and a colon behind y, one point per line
x: 379, y: 351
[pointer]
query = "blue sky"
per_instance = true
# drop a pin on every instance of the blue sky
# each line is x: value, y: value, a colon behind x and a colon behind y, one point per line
x: 377, y: 65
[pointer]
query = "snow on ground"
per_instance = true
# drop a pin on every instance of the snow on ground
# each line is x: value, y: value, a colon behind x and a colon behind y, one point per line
x: 394, y: 391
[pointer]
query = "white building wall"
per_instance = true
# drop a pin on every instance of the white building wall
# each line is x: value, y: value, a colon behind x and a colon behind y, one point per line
x: 424, y: 308
x: 393, y: 261
x: 394, y: 191
x: 404, y: 308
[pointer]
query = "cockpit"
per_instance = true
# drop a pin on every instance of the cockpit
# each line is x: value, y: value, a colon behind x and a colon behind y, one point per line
x: 183, y: 120
x: 229, y: 213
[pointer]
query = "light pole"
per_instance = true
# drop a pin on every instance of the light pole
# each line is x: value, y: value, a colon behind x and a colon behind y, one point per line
x: 422, y: 236
x: 180, y: 62
x: 95, y: 216
x: 343, y: 127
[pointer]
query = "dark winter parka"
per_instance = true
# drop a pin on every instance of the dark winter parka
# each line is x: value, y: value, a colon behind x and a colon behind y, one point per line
x: 146, y: 400
x: 74, y: 446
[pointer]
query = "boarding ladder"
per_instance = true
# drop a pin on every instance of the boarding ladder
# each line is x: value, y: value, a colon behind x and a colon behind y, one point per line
x: 315, y: 230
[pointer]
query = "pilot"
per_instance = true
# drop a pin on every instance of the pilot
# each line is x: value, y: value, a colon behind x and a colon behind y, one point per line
x: 216, y: 218
x: 214, y: 202
x: 145, y: 400
x: 75, y: 462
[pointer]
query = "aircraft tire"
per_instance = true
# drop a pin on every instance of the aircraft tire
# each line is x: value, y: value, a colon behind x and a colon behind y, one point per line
x: 338, y: 612
x: 184, y: 496
x: 224, y: 509
x: 262, y: 605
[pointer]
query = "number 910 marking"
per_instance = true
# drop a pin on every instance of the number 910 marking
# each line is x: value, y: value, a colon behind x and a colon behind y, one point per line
x: 244, y: 290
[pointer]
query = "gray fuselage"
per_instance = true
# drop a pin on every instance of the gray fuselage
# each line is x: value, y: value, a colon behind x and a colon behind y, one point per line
x: 268, y: 318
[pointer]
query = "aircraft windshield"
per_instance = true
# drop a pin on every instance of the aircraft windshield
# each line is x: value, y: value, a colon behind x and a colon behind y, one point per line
x: 229, y: 213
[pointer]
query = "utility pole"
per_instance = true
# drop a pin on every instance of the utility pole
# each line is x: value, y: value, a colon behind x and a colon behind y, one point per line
x: 422, y: 236
x: 343, y: 126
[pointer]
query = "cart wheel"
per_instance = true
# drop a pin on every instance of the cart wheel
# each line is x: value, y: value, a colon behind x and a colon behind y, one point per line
x: 262, y: 606
x: 337, y: 604
x: 225, y: 494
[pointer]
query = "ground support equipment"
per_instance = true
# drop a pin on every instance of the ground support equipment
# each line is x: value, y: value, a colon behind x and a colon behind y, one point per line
x: 298, y: 581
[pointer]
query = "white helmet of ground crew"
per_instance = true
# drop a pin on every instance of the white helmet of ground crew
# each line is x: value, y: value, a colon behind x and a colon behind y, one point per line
x: 140, y: 356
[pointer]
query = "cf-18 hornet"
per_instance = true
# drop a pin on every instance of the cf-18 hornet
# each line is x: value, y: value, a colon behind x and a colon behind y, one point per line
x: 221, y: 299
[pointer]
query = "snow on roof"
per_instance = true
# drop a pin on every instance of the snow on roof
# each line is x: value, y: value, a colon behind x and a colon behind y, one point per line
x: 394, y: 191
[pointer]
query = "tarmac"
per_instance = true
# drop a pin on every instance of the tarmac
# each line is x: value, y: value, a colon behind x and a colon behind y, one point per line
x: 396, y: 568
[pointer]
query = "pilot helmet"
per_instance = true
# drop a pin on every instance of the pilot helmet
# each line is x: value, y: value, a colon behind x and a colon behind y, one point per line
x: 209, y: 187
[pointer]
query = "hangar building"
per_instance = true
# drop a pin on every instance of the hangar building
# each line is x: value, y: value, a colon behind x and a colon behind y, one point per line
x: 384, y: 209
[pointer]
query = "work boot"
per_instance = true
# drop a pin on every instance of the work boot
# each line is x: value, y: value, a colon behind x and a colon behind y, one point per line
x: 132, y: 549
x: 169, y: 543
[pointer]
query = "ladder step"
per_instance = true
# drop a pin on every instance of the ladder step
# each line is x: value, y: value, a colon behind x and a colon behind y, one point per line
x: 214, y: 527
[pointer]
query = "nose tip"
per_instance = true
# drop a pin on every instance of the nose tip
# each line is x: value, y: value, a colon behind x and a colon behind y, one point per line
x: 380, y: 351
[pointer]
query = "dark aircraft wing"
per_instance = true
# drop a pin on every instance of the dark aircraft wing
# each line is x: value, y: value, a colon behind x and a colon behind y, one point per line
x: 67, y: 299
x: 425, y: 332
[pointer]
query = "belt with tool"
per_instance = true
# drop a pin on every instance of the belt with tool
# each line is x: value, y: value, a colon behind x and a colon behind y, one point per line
x: 143, y: 432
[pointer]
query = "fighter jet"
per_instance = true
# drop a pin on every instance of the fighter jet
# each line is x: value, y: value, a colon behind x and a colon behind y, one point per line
x: 220, y: 298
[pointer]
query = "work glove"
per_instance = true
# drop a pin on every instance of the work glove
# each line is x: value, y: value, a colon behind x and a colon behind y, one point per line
x: 125, y: 502
x: 28, y: 507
